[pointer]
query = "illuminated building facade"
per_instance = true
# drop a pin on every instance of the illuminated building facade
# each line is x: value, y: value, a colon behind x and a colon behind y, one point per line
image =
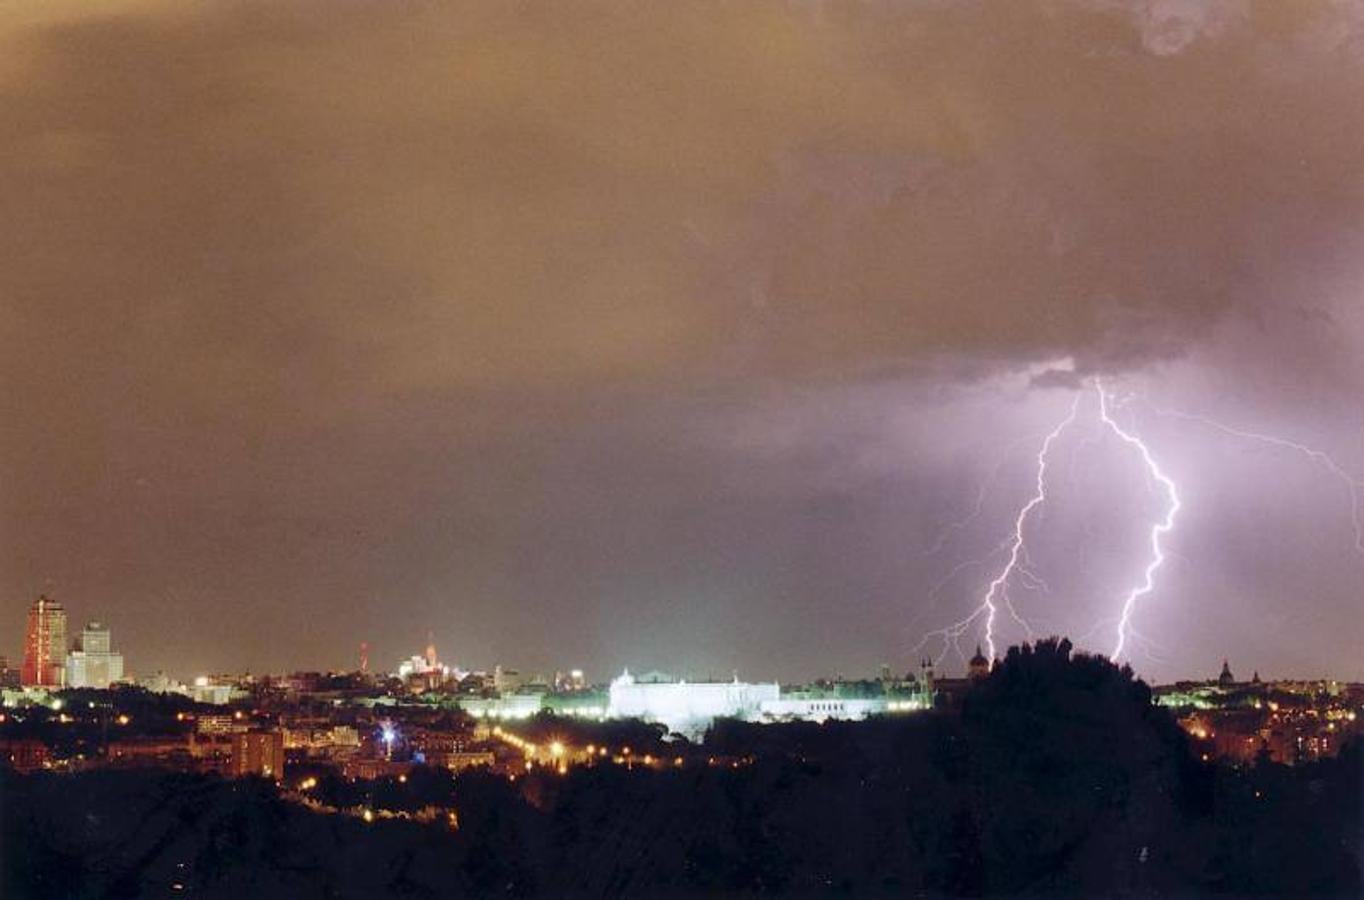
x: 45, y: 645
x: 258, y: 753
x: 93, y: 664
x: 846, y: 701
x: 424, y: 672
x: 687, y: 707
x: 503, y: 706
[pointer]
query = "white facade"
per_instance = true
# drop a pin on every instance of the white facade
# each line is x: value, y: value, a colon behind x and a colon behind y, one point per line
x: 93, y: 664
x: 93, y: 670
x: 688, y: 708
x: 206, y: 690
x: 820, y: 709
x: 507, y: 706
x: 161, y: 683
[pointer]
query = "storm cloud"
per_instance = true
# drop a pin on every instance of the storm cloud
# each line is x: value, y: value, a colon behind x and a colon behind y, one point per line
x: 579, y: 333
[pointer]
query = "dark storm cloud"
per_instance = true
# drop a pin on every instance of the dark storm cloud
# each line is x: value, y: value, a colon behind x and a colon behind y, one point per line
x: 323, y: 303
x: 489, y: 193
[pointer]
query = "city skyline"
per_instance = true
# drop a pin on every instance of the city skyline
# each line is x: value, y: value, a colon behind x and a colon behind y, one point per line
x: 703, y: 339
x: 484, y: 664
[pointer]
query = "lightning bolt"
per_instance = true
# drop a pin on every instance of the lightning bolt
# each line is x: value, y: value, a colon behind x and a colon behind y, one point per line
x: 982, y: 492
x: 1158, y: 531
x: 953, y: 527
x: 1320, y: 457
x: 998, y: 588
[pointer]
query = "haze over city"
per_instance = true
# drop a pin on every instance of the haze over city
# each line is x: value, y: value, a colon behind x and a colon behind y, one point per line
x: 698, y: 338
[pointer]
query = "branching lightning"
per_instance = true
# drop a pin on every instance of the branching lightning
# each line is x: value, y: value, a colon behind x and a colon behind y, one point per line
x: 1320, y: 457
x: 998, y: 588
x: 1017, y: 566
x: 982, y: 492
x: 1158, y: 531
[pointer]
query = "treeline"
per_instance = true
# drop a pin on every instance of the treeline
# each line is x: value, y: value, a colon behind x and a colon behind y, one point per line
x: 1058, y: 777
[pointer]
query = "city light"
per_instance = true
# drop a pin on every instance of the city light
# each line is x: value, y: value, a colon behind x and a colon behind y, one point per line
x: 773, y: 412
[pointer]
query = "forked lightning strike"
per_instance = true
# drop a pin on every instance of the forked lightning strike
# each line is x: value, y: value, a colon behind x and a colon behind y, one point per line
x: 1320, y: 457
x: 1158, y: 531
x: 1017, y: 564
x: 999, y: 586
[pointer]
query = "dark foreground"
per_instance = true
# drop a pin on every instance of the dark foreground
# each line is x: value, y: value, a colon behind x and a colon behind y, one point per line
x: 1058, y: 778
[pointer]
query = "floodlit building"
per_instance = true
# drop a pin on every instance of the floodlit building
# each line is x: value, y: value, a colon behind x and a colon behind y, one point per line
x: 574, y: 680
x: 215, y: 691
x: 816, y: 706
x: 161, y: 683
x: 503, y: 706
x: 92, y: 664
x: 687, y: 707
x: 45, y: 645
x: 585, y: 704
x: 507, y: 681
x: 425, y: 671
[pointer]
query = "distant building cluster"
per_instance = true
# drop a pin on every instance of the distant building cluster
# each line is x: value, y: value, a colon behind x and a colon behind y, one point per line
x: 90, y: 662
x: 364, y: 724
x: 684, y: 706
x: 1291, y: 721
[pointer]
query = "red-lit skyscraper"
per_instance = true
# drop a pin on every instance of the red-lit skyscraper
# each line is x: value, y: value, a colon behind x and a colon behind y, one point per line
x: 45, y: 645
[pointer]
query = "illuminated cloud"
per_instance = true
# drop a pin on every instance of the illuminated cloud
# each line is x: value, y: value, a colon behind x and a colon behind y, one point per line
x: 323, y: 300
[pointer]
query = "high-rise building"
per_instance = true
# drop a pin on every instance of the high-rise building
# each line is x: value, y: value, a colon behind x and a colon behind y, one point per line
x: 95, y: 638
x: 92, y: 664
x: 258, y: 753
x: 45, y: 644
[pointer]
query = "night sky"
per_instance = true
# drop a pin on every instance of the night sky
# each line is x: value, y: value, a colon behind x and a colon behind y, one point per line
x: 676, y: 335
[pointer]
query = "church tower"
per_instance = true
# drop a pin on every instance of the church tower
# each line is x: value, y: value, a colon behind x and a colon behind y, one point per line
x: 979, y: 667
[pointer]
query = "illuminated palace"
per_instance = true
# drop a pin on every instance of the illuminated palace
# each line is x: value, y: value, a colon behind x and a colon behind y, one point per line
x: 689, y: 707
